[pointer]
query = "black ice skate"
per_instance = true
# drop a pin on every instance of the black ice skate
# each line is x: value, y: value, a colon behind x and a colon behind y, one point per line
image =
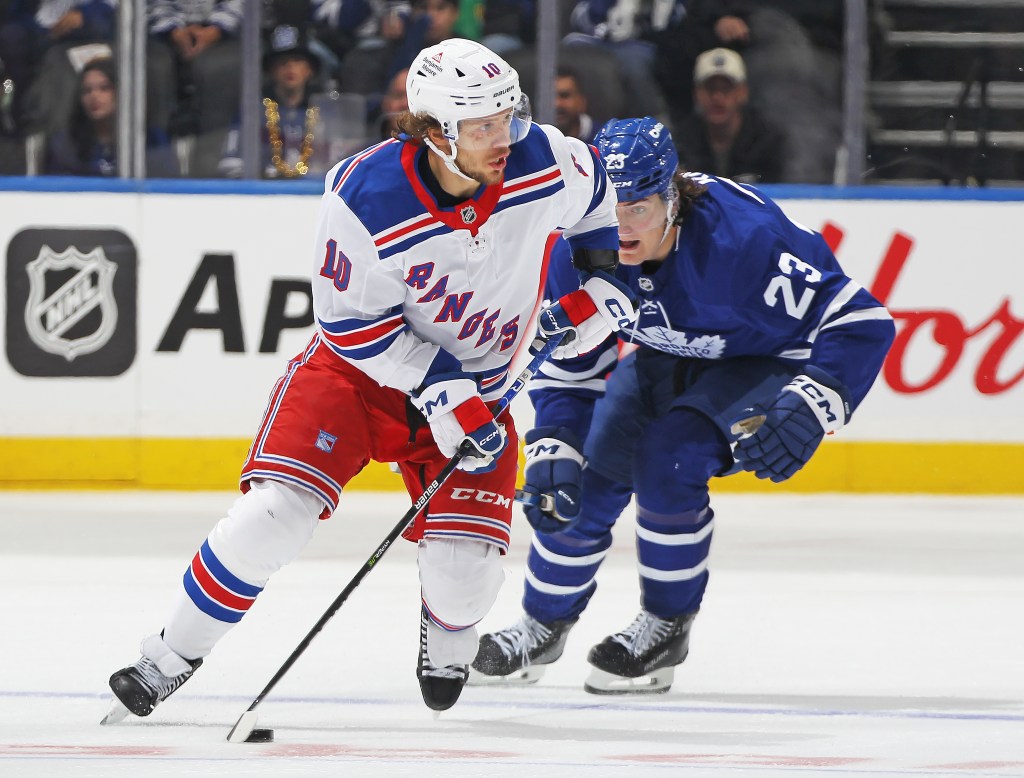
x: 140, y: 687
x: 517, y: 655
x: 440, y: 686
x: 642, y: 658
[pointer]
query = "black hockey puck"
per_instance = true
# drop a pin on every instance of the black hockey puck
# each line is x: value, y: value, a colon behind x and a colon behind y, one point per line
x: 260, y: 736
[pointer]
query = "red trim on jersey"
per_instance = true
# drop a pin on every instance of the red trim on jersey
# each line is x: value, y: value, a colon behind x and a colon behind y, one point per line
x: 369, y: 152
x: 425, y: 220
x: 528, y: 182
x: 483, y: 205
x: 215, y: 590
x: 366, y: 335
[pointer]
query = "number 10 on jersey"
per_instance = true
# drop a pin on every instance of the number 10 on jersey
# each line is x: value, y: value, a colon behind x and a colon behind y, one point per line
x: 336, y: 266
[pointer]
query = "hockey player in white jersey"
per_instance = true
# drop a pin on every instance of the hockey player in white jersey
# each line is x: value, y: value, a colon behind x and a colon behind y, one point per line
x: 429, y: 265
x: 745, y: 318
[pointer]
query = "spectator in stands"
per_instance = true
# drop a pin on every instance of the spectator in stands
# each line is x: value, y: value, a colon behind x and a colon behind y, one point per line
x: 288, y: 138
x: 392, y: 104
x: 194, y: 64
x: 571, y: 115
x: 725, y: 135
x: 88, y: 147
x: 793, y: 52
x: 628, y: 30
x: 508, y: 25
x: 369, y: 68
x: 37, y: 39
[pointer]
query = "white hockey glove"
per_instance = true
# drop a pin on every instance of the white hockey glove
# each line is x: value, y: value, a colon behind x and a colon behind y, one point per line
x: 794, y: 426
x: 452, y: 405
x: 589, y: 315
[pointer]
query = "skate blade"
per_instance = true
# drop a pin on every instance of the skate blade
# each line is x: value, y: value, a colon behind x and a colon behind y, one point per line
x: 117, y: 713
x: 522, y: 677
x: 656, y: 682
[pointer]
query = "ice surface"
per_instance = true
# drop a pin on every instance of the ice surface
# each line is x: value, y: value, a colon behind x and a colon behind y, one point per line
x: 840, y: 636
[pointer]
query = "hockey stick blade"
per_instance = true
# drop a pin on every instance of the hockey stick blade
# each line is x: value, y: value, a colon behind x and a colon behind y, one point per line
x: 243, y: 727
x: 540, y: 351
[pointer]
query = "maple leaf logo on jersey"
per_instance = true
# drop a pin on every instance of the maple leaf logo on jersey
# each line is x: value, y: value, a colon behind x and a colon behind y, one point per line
x: 672, y: 342
x: 468, y: 214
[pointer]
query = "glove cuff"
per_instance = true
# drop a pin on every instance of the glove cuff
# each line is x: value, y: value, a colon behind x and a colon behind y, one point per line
x: 828, y: 404
x: 578, y: 306
x: 552, y: 443
x: 444, y: 394
x: 612, y: 299
x: 473, y: 414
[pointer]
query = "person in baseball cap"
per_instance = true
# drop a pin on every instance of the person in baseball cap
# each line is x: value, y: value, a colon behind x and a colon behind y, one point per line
x: 725, y: 135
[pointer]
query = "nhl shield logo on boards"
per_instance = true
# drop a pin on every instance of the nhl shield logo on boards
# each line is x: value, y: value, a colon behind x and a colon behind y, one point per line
x: 54, y: 309
x: 468, y: 214
x: 71, y: 299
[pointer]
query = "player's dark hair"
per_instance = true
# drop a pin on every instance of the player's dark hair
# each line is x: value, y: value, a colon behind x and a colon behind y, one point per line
x: 689, y: 193
x: 412, y: 127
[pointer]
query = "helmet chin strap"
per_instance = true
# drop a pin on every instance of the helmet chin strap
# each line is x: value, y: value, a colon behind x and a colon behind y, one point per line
x: 448, y: 159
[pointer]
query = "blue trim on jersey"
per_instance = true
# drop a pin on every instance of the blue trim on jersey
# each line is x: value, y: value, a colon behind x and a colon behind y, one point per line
x: 224, y: 576
x: 600, y: 182
x: 366, y: 352
x: 529, y: 196
x: 408, y: 243
x: 531, y: 154
x: 342, y: 326
x: 603, y: 238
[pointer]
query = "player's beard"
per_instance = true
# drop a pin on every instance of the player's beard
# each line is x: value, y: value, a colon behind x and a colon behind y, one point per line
x: 480, y: 170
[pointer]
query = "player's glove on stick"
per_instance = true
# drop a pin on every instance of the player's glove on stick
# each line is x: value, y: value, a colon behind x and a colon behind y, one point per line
x: 794, y: 425
x: 554, y: 469
x: 456, y: 413
x: 603, y: 305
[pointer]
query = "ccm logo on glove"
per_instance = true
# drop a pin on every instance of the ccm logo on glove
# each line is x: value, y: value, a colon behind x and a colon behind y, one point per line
x: 828, y: 405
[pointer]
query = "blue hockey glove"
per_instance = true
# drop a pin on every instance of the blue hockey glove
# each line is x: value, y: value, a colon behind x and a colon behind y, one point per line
x: 456, y: 413
x: 794, y: 425
x: 589, y: 315
x: 554, y: 469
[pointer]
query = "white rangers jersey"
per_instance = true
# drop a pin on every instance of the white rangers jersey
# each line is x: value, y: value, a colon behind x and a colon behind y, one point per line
x: 397, y: 278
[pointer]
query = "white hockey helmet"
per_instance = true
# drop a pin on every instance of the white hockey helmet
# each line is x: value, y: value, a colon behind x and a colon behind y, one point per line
x: 461, y: 79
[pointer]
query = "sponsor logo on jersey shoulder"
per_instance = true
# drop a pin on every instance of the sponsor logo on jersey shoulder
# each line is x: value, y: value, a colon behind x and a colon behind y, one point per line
x: 70, y: 302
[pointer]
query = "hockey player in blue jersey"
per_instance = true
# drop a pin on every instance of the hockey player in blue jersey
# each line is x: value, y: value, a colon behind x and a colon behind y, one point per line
x: 746, y: 318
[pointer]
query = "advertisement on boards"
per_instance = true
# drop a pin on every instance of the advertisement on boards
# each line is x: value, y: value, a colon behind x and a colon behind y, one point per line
x: 163, y: 317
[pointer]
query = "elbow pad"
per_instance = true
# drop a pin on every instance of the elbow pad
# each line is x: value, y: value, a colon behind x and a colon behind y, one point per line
x: 592, y: 260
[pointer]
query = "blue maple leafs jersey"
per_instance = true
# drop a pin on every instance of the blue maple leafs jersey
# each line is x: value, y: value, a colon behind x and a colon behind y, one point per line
x: 743, y: 279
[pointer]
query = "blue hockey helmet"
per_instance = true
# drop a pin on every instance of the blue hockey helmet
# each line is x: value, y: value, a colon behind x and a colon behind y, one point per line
x: 639, y: 155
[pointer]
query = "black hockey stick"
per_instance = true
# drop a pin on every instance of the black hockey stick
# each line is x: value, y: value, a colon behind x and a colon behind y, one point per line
x: 247, y: 721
